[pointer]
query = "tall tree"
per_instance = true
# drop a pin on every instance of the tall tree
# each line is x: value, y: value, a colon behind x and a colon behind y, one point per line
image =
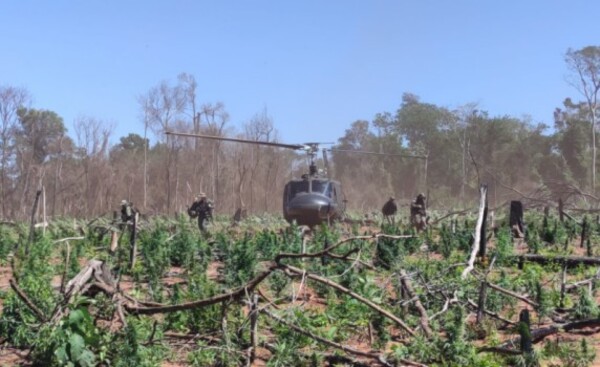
x: 164, y: 105
x: 585, y: 67
x: 38, y: 138
x: 11, y: 100
x: 93, y: 146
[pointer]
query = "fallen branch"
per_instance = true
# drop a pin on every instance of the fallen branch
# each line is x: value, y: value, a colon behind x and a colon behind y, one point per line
x: 570, y: 261
x: 459, y: 212
x: 540, y: 334
x: 327, y: 250
x: 38, y: 313
x: 512, y: 294
x: 235, y: 294
x: 356, y: 296
x: 490, y: 313
x: 588, y: 281
x: 67, y: 239
x: 330, y: 343
x: 424, y: 320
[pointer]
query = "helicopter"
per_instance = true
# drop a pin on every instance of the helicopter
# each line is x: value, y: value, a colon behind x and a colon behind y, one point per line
x: 314, y: 198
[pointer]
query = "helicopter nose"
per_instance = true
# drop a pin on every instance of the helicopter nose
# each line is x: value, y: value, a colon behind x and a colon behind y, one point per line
x: 309, y: 208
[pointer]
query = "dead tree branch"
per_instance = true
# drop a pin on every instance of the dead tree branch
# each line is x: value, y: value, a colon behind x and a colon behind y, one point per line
x: 477, y: 240
x: 38, y: 313
x: 235, y: 294
x: 356, y: 296
x: 406, y: 283
x: 570, y: 261
x: 330, y: 343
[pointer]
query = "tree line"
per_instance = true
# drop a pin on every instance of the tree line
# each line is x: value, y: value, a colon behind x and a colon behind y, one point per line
x: 82, y: 174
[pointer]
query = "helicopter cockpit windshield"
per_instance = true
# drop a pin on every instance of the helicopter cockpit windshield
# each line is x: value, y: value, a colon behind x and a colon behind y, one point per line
x: 321, y: 187
x: 315, y: 186
x: 298, y: 187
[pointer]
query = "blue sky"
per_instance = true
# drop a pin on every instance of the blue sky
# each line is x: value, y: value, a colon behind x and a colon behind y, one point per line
x: 316, y: 66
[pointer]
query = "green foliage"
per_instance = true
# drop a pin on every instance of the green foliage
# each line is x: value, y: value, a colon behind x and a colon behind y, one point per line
x: 35, y: 275
x: 456, y: 350
x: 183, y: 244
x: 586, y: 307
x: 128, y: 349
x: 74, y: 342
x: 8, y: 240
x: 504, y: 246
x: 207, y: 318
x: 569, y: 354
x: 239, y: 258
x: 204, y: 355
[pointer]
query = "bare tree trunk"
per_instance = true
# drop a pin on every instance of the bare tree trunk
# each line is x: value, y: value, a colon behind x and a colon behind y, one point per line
x: 145, y: 159
x: 253, y: 327
x: 32, y: 222
x: 525, y: 331
x: 476, y: 241
x: 132, y: 240
x: 593, y: 110
x: 44, y: 219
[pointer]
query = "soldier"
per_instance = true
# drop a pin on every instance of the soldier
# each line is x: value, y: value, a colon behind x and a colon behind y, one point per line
x: 418, y: 213
x: 389, y: 210
x: 202, y: 208
x: 127, y: 211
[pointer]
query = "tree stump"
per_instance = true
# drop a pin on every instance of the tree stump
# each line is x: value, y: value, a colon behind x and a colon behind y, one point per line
x: 516, y: 219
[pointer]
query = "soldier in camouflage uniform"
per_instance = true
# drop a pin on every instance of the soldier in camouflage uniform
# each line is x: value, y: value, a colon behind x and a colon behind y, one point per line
x: 418, y: 213
x: 202, y: 208
x: 127, y: 211
x: 389, y: 210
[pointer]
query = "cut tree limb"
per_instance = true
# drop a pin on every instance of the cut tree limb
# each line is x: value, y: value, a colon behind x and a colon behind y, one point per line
x: 512, y: 294
x: 235, y: 294
x: 406, y: 283
x: 352, y: 294
x: 570, y: 261
x: 38, y: 313
x: 330, y: 343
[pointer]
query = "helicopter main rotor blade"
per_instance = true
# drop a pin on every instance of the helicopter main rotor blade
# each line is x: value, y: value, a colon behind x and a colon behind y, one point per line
x: 212, y: 137
x: 375, y: 153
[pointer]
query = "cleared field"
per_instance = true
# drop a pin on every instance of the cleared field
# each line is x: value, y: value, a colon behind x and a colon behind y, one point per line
x: 263, y: 293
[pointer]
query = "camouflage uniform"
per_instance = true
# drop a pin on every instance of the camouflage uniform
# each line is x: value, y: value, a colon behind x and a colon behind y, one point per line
x: 202, y: 208
x: 418, y: 213
x: 389, y: 210
x: 127, y: 211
